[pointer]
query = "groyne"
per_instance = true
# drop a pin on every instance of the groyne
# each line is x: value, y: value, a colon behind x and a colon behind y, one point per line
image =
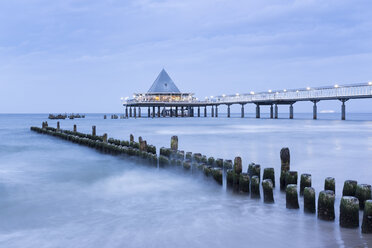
x: 355, y: 197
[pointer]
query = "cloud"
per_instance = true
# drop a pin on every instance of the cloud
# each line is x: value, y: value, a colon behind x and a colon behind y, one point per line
x: 123, y: 44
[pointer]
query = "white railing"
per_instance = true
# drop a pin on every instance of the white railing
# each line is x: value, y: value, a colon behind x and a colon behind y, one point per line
x: 308, y: 94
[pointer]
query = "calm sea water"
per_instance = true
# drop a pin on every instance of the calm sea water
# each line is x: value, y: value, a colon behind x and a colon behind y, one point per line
x: 58, y: 194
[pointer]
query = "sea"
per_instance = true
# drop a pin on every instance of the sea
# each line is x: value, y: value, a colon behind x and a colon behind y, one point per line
x: 54, y: 193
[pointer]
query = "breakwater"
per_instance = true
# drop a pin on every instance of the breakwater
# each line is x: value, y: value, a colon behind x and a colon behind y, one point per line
x: 248, y: 183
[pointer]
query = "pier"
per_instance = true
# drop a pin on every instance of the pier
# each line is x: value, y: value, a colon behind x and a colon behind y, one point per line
x: 165, y: 100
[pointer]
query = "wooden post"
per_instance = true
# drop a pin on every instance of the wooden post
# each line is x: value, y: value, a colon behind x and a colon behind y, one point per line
x: 75, y: 128
x: 93, y: 130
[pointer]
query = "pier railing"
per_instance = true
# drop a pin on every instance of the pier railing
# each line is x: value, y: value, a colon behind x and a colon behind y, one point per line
x: 304, y: 94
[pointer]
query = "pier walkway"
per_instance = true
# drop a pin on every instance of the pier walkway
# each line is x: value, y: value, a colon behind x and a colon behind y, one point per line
x: 162, y: 104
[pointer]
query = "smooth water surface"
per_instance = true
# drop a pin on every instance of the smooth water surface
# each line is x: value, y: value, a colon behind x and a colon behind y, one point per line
x: 58, y: 194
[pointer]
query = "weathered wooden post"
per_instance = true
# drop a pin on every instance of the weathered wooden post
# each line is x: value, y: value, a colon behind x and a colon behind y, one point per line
x: 330, y: 184
x: 267, y: 186
x: 285, y: 165
x: 58, y: 126
x: 291, y: 177
x: 230, y: 177
x: 217, y: 175
x: 104, y: 137
x: 174, y: 143
x: 367, y: 217
x: 93, y: 130
x: 326, y: 202
x: 237, y: 170
x: 131, y: 138
x: 255, y: 187
x: 349, y: 212
x: 143, y: 145
x: 291, y: 196
x: 349, y: 188
x: 75, y: 128
x: 363, y: 193
x: 244, y: 182
x: 256, y: 170
x: 309, y: 199
x: 305, y: 182
x: 269, y: 174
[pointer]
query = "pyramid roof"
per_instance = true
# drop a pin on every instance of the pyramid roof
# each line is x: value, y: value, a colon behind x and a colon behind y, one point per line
x: 163, y: 84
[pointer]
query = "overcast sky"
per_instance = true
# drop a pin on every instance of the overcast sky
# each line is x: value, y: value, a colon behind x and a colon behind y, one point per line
x: 83, y: 55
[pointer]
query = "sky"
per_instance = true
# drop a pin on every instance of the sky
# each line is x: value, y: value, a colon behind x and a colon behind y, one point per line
x: 84, y: 55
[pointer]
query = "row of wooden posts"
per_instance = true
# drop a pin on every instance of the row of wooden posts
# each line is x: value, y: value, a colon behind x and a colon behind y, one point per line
x: 355, y: 196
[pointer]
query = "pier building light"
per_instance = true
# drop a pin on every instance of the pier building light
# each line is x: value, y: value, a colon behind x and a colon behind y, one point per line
x: 127, y: 98
x: 237, y: 94
x: 297, y: 91
x: 270, y: 91
x: 369, y: 83
x: 308, y: 88
x: 336, y: 86
x: 252, y: 92
x: 122, y: 98
x: 211, y: 96
x: 223, y: 95
x: 285, y: 90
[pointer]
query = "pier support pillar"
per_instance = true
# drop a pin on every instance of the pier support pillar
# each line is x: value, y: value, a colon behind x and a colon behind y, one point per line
x: 315, y: 110
x: 93, y: 130
x: 148, y: 112
x: 242, y: 112
x: 212, y: 111
x: 182, y: 112
x: 198, y: 111
x: 134, y: 112
x: 176, y: 111
x: 205, y: 111
x: 126, y: 112
x: 257, y: 111
x: 216, y: 110
x: 153, y: 111
x: 139, y: 112
x: 130, y: 111
x: 343, y: 109
x: 170, y: 112
x: 189, y: 111
x: 271, y: 111
x: 164, y: 113
x: 228, y: 111
x: 276, y: 111
x: 158, y: 111
x: 291, y: 111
